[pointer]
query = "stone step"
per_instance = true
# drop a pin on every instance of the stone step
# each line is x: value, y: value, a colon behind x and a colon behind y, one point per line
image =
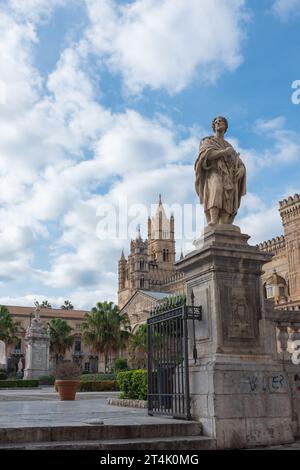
x: 93, y: 432
x: 160, y: 443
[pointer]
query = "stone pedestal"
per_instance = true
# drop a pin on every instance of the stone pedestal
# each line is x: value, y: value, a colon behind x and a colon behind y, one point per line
x: 37, y: 349
x: 239, y: 390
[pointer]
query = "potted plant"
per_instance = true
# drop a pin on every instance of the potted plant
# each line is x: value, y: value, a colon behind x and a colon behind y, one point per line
x: 67, y: 379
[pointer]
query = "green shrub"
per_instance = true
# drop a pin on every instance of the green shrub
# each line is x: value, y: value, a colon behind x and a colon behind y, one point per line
x: 3, y: 375
x: 3, y: 370
x: 133, y: 384
x: 12, y: 375
x: 47, y: 380
x: 120, y: 363
x: 99, y: 386
x: 97, y: 377
x: 19, y: 383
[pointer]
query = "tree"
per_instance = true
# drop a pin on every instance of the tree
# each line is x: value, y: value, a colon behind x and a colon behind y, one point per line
x: 105, y: 329
x: 67, y: 305
x: 61, y: 338
x: 10, y: 330
x: 46, y: 304
x: 137, y: 347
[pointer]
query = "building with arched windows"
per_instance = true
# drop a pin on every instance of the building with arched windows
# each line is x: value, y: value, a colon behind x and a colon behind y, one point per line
x: 281, y: 278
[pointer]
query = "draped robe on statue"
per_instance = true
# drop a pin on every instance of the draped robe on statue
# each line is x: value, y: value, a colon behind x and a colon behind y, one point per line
x: 216, y: 184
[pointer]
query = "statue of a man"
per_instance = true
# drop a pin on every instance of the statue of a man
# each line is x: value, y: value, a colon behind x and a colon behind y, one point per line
x: 220, y: 176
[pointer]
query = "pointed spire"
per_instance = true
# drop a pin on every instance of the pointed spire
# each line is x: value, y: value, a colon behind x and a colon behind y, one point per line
x: 122, y: 255
x: 138, y: 230
x: 181, y: 255
x: 160, y: 201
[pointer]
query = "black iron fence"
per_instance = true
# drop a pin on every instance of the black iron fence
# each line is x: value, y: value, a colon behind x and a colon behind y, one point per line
x: 168, y: 360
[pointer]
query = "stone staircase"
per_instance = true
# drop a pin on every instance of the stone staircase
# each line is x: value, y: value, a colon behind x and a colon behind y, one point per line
x: 169, y: 436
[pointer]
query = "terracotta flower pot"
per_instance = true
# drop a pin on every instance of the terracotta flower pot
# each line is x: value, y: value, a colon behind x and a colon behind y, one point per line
x: 67, y: 388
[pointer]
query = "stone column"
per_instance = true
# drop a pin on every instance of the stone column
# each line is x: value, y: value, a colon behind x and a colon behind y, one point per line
x: 37, y: 349
x: 3, y: 358
x: 239, y: 390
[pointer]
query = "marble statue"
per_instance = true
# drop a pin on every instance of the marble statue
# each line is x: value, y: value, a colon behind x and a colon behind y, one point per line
x: 20, y: 366
x: 220, y: 176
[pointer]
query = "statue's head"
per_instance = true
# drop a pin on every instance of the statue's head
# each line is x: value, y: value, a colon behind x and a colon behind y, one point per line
x: 220, y: 118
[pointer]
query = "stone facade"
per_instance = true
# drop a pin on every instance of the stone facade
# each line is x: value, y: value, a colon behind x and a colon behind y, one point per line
x: 281, y: 277
x: 240, y: 389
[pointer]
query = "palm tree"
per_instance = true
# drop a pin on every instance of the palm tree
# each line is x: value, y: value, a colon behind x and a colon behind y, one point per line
x: 10, y: 330
x: 105, y: 329
x: 61, y: 338
x: 137, y: 347
x: 67, y: 305
x: 46, y: 304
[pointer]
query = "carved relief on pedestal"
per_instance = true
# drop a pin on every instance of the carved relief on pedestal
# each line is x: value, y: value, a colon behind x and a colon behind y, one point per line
x: 240, y: 312
x: 240, y: 325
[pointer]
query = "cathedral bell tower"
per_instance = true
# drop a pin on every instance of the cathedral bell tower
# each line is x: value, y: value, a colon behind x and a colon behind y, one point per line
x: 161, y: 243
x: 138, y: 263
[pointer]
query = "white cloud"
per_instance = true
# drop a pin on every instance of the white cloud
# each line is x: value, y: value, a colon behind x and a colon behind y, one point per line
x: 35, y: 10
x: 285, y: 9
x: 165, y: 44
x: 59, y: 146
x: 268, y: 125
x: 79, y: 256
x: 258, y: 219
x: 283, y: 148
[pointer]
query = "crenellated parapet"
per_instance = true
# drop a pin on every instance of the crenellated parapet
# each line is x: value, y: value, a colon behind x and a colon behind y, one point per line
x: 289, y: 208
x: 274, y: 246
x: 289, y: 201
x: 178, y: 276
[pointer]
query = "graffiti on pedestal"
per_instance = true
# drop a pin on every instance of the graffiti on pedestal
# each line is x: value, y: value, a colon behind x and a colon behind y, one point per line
x: 264, y: 383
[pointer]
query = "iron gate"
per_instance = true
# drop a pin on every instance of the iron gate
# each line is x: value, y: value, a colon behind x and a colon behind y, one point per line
x: 168, y: 361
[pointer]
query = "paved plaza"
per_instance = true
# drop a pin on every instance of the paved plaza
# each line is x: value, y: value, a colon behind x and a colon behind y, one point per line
x: 42, y: 408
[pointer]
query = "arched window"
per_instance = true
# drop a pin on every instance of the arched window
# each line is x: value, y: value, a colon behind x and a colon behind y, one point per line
x: 18, y: 347
x: 142, y: 283
x: 142, y: 265
x: 165, y: 255
x: 276, y: 288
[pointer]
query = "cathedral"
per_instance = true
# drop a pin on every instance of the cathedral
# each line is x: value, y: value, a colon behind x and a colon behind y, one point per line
x: 149, y: 274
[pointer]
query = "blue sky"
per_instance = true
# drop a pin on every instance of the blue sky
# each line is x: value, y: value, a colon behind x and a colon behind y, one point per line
x: 106, y: 101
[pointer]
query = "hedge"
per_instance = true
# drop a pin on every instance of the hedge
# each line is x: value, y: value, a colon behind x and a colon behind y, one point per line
x: 3, y: 375
x: 19, y: 383
x: 133, y: 384
x: 46, y: 380
x: 100, y: 386
x: 97, y: 377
